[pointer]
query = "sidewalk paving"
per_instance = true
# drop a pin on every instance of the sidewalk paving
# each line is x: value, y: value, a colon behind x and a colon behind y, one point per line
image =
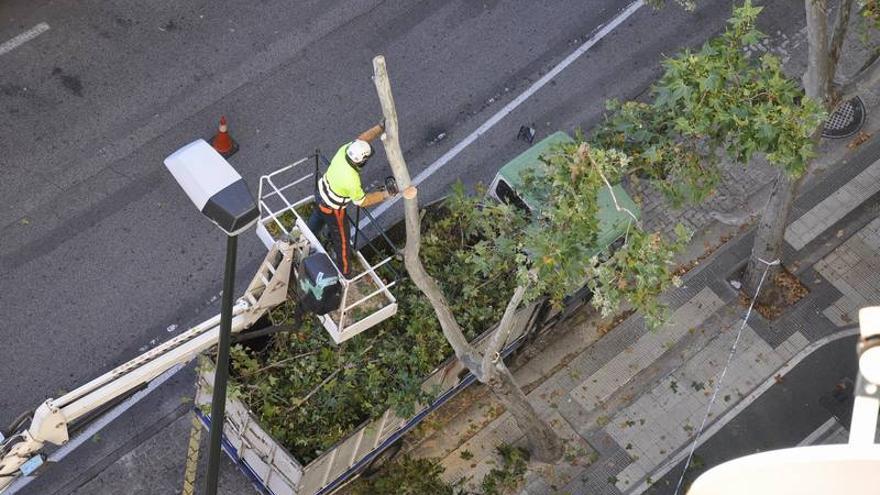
x: 768, y: 423
x: 629, y: 403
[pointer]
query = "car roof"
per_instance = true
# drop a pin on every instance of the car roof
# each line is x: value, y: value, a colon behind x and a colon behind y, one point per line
x: 612, y: 223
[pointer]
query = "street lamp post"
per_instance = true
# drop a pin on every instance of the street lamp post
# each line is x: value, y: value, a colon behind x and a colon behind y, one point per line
x: 219, y: 192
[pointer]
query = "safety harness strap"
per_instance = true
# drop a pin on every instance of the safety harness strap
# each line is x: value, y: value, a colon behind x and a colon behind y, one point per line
x: 329, y: 197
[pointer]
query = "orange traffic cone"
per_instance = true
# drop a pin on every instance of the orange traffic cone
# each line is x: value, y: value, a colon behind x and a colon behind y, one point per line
x: 222, y: 141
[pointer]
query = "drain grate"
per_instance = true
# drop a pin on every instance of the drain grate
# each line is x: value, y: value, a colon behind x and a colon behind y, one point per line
x: 846, y: 120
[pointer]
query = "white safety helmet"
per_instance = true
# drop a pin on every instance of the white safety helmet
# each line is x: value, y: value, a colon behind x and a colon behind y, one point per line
x: 358, y: 152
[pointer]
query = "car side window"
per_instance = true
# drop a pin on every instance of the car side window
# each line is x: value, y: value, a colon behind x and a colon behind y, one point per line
x: 506, y: 194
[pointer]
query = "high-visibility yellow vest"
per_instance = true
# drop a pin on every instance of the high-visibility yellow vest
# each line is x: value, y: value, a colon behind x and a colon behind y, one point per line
x: 341, y: 183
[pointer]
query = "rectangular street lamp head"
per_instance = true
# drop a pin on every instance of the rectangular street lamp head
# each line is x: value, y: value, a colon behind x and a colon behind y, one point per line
x: 217, y: 190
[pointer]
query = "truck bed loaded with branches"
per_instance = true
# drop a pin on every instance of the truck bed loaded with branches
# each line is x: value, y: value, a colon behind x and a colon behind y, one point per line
x: 305, y: 415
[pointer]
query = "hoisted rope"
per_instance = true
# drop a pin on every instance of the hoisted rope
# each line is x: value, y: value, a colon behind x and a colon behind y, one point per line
x: 723, y: 373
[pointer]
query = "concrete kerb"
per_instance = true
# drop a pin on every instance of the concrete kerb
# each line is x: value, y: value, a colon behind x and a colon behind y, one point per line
x: 741, y: 405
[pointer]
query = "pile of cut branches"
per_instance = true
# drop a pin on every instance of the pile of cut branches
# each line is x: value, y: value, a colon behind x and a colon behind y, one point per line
x: 310, y: 393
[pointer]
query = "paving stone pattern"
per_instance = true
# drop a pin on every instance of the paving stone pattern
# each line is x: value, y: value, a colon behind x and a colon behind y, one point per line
x: 834, y: 207
x: 854, y: 269
x: 590, y: 378
x: 739, y: 183
x: 731, y: 198
x: 617, y: 372
x: 666, y: 419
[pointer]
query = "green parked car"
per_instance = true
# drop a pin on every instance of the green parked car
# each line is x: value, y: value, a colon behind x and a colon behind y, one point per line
x: 509, y: 187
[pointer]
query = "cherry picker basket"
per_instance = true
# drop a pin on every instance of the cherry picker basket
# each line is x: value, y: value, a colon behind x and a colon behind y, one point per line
x: 286, y: 198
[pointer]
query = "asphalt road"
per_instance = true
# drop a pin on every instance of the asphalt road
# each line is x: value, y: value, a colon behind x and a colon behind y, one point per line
x: 101, y: 255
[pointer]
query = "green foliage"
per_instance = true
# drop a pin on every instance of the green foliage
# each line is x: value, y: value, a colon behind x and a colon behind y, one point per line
x: 679, y: 165
x: 719, y: 99
x: 310, y: 393
x: 870, y: 10
x: 561, y: 244
x: 509, y: 476
x: 564, y: 237
x: 473, y: 246
x: 638, y: 273
x: 407, y: 476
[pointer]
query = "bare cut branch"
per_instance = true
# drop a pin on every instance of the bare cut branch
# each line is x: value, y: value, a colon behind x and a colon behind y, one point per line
x: 278, y: 363
x: 841, y: 25
x: 491, y: 354
x: 451, y: 329
x: 390, y: 139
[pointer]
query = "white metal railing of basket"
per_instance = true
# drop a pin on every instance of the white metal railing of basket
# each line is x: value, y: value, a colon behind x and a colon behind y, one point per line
x: 269, y: 188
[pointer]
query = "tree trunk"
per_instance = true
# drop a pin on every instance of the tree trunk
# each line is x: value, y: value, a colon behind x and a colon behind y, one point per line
x: 451, y: 330
x: 841, y: 26
x: 545, y: 445
x: 543, y: 441
x: 818, y: 80
x: 769, y: 235
x: 820, y: 67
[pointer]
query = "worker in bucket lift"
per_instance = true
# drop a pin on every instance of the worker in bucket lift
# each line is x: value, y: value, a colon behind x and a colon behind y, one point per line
x: 341, y: 185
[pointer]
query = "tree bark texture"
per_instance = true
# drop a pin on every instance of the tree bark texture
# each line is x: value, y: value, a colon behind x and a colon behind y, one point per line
x: 841, y: 26
x: 544, y: 443
x: 770, y: 232
x: 818, y: 80
x: 864, y: 79
x: 499, y: 338
x: 451, y: 330
x: 819, y: 76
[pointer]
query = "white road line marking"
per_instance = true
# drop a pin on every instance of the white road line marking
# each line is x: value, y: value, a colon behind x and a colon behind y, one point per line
x: 23, y: 38
x: 449, y: 155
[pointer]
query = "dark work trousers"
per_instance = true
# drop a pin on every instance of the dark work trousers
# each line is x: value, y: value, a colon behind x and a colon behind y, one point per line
x: 339, y: 229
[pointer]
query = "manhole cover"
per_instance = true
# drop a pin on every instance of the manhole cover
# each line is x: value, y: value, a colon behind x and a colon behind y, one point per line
x: 846, y: 120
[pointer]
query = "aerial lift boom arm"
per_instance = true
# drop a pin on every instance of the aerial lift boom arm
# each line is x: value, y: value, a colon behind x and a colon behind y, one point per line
x: 22, y: 451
